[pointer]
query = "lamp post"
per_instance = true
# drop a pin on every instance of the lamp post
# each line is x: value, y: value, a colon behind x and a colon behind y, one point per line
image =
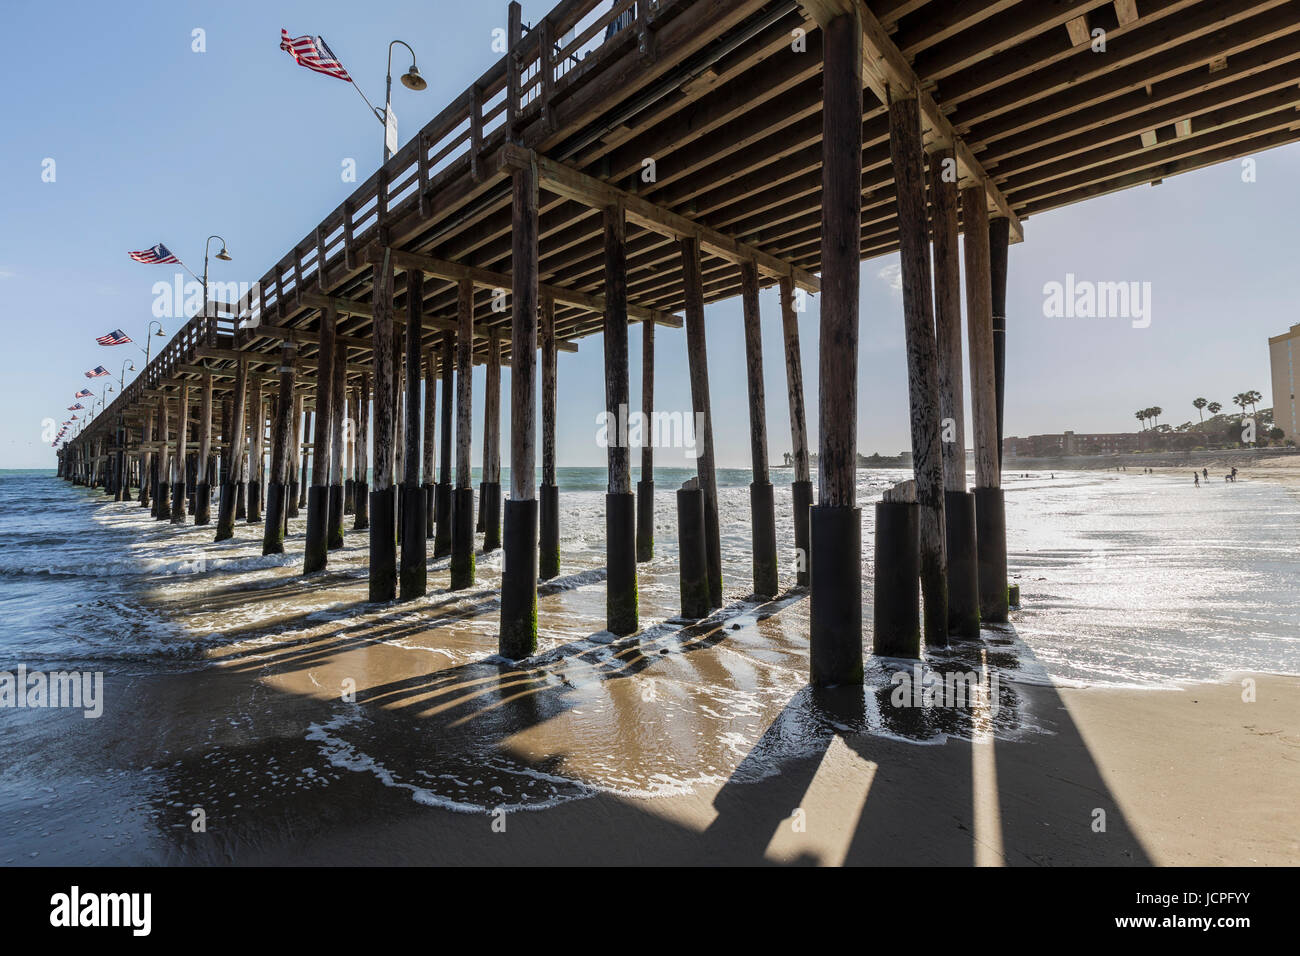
x: 223, y: 255
x: 148, y: 340
x: 411, y: 79
x: 121, y: 381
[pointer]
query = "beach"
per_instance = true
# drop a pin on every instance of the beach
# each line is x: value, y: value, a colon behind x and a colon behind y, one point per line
x: 1139, y: 709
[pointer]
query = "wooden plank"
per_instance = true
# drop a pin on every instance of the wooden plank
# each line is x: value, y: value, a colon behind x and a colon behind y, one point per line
x: 889, y: 74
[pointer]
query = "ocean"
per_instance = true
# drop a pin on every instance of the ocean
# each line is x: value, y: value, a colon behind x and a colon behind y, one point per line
x: 1126, y: 580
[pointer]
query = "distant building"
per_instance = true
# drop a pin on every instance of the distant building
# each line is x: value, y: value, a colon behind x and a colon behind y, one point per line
x: 1283, y: 352
x: 1070, y: 443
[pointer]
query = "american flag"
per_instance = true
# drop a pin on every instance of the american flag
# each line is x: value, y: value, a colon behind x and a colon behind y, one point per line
x: 97, y: 371
x: 71, y: 420
x: 157, y: 255
x: 76, y: 408
x: 313, y: 53
x: 116, y: 337
x: 84, y: 393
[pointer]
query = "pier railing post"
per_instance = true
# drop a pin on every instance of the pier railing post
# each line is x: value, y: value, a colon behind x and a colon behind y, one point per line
x: 620, y: 505
x: 518, y: 638
x: 908, y: 160
x: 382, y: 505
x: 462, y: 521
x: 698, y: 361
x: 316, y: 549
x: 990, y: 521
x: 958, y: 503
x: 413, y: 575
x: 762, y: 503
x: 835, y: 626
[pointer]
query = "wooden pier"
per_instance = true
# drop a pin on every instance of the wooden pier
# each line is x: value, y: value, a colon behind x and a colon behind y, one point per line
x: 631, y: 163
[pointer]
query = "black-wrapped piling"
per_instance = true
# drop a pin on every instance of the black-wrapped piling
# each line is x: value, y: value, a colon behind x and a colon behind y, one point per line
x: 620, y: 583
x: 519, y: 585
x: 835, y: 619
x: 549, y: 538
x: 692, y: 561
x: 963, y: 569
x: 896, y: 621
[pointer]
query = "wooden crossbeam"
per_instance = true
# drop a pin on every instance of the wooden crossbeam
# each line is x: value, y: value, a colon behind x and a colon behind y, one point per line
x: 486, y: 278
x: 568, y: 182
x: 886, y: 71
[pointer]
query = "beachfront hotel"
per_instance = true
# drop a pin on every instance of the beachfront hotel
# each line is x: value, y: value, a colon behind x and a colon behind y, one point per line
x: 1283, y: 354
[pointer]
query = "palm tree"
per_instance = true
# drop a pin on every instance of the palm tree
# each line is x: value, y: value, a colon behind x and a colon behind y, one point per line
x: 1198, y: 404
x: 1253, y: 397
x: 1214, y: 408
x: 1240, y: 400
x: 1156, y: 411
x: 1141, y: 416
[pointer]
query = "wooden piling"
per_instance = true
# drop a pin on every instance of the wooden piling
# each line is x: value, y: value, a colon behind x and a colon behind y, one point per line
x: 645, y: 486
x: 999, y: 239
x: 203, y: 494
x: 835, y: 625
x: 762, y: 502
x: 297, y: 460
x: 338, y: 408
x: 361, y: 496
x: 621, y: 615
x: 277, y: 491
x: 147, y: 477
x: 413, y: 572
x: 518, y: 638
x: 801, y: 487
x: 316, y: 549
x: 430, y: 446
x: 958, y: 505
x: 490, y: 505
x: 698, y: 361
x: 908, y: 158
x: 178, y: 470
x: 383, y: 504
x: 989, y: 540
x: 256, y: 451
x: 442, y: 533
x: 462, y: 522
x: 232, y: 487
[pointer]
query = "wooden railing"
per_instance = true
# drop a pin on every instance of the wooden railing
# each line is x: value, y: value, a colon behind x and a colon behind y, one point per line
x: 541, y: 64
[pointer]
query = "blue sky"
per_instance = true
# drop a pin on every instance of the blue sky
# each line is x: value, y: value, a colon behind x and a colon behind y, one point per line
x: 154, y: 142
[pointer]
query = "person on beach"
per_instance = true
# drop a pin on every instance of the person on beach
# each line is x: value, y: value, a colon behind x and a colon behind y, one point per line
x: 1196, y: 479
x: 1205, y: 473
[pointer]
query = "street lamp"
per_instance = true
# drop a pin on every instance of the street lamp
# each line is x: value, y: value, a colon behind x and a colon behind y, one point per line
x: 121, y: 381
x: 411, y: 79
x: 148, y: 341
x: 223, y: 255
